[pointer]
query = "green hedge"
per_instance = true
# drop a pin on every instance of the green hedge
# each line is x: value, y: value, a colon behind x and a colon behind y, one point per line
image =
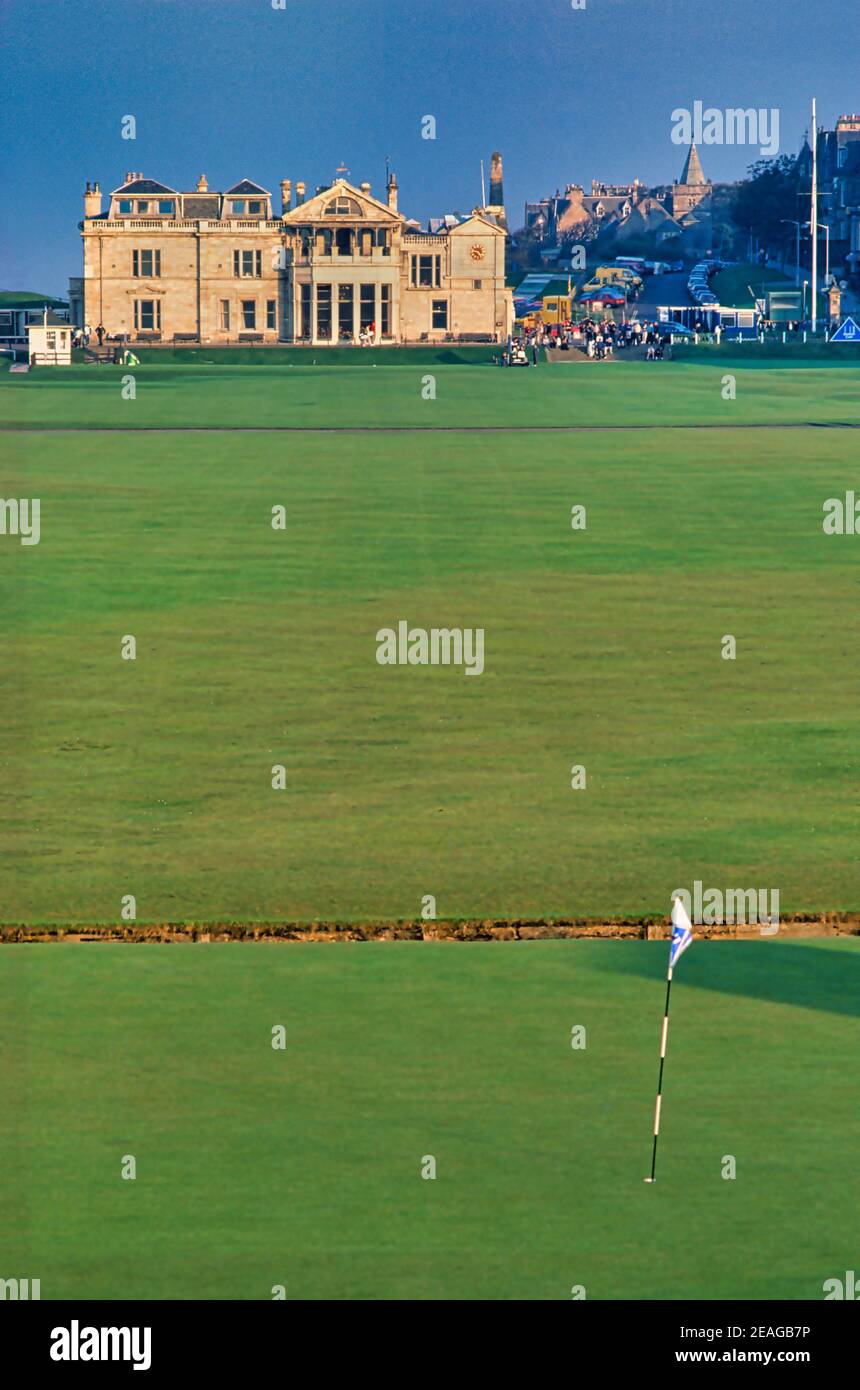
x: 772, y: 351
x: 444, y: 354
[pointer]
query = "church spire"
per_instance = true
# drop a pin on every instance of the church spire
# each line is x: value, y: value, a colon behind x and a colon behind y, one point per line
x: 692, y: 171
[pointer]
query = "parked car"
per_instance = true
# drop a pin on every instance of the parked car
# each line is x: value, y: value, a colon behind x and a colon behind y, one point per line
x: 676, y: 329
x: 609, y: 295
x: 634, y: 263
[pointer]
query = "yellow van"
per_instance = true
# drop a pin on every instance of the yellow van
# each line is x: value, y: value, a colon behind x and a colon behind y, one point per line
x: 556, y: 308
x: 617, y: 275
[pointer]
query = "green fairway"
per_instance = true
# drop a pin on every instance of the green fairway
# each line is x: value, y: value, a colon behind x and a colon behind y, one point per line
x: 257, y: 648
x: 302, y: 1167
x: 429, y: 396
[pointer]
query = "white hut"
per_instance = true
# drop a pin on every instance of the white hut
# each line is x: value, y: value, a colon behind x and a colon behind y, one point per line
x: 49, y: 342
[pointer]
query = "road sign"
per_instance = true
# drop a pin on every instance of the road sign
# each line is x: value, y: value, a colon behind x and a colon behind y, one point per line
x: 847, y: 332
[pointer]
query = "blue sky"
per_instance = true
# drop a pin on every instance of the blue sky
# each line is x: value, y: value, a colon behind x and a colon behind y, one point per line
x: 234, y: 88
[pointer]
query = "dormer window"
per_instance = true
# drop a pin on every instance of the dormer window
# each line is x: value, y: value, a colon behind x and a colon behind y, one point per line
x: 237, y: 207
x: 125, y: 207
x: 255, y: 208
x: 167, y: 207
x: 142, y: 208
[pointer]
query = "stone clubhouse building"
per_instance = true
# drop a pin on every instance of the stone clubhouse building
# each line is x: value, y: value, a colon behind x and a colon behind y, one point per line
x: 172, y: 267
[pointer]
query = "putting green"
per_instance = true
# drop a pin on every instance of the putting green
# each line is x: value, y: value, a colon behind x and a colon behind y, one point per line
x: 302, y: 1167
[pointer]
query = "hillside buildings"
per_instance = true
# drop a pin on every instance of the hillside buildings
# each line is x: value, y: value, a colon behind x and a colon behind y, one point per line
x: 680, y: 214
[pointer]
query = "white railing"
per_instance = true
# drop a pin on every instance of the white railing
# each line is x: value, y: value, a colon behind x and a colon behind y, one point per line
x: 184, y: 224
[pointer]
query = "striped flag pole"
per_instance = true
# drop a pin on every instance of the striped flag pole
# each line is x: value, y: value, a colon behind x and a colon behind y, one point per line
x: 682, y: 935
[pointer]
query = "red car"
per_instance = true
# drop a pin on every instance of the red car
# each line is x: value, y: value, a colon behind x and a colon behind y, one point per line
x: 610, y: 297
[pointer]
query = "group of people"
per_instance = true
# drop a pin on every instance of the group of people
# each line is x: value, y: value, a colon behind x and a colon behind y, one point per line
x: 82, y: 337
x: 600, y: 339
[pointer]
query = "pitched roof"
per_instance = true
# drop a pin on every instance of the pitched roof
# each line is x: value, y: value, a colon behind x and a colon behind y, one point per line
x: 144, y: 186
x: 692, y: 171
x: 245, y: 188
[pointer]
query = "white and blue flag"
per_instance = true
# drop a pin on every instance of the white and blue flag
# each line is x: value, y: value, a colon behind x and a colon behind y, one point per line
x: 682, y: 931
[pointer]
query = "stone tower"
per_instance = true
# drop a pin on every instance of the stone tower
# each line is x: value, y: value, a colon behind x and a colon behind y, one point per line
x: 692, y: 186
x: 496, y: 205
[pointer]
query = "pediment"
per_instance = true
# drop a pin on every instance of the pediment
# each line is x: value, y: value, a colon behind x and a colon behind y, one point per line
x: 364, y: 207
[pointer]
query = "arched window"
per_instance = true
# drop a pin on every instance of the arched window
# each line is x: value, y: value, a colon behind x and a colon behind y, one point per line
x: 342, y: 207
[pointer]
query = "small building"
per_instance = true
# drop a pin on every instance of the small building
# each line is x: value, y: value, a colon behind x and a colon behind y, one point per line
x: 20, y: 308
x: 50, y: 342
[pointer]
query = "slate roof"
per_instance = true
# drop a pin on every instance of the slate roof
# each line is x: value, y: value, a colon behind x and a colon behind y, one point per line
x: 247, y: 189
x: 202, y: 205
x: 144, y: 186
x: 692, y: 172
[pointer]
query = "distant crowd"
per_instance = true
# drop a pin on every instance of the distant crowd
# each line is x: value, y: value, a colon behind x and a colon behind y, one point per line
x: 597, y: 339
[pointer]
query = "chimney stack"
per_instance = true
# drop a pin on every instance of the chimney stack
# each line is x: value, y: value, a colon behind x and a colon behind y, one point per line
x: 392, y: 192
x: 202, y: 185
x: 300, y: 193
x: 92, y: 200
x: 286, y: 195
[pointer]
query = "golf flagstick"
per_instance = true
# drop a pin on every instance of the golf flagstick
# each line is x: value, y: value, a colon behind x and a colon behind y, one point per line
x: 682, y: 935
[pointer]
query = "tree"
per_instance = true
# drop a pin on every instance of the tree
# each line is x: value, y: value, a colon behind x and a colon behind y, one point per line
x: 762, y: 201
